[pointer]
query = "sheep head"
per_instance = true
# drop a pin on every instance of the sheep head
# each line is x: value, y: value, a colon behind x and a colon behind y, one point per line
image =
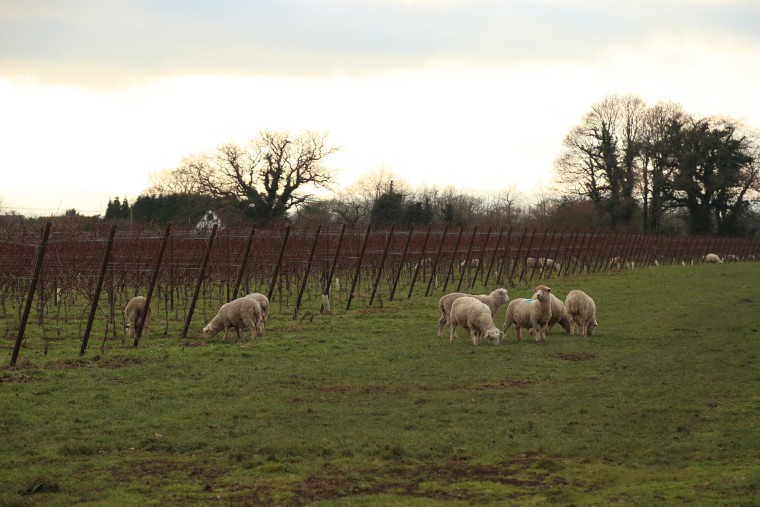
x: 493, y: 335
x: 210, y: 331
x: 541, y: 293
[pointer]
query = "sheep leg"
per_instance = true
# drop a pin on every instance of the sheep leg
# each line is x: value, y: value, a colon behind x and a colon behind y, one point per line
x: 248, y: 320
x: 505, y: 327
x: 474, y: 337
x: 452, y: 331
x: 518, y: 331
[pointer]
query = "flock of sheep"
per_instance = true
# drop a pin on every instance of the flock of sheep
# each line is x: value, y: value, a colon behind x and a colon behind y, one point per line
x: 473, y: 312
x: 538, y: 314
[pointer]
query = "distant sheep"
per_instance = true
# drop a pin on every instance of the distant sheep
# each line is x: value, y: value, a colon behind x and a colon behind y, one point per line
x: 474, y: 263
x: 732, y: 258
x: 542, y: 263
x: 533, y: 313
x: 264, y: 304
x: 133, y: 313
x: 475, y: 317
x: 494, y: 300
x: 582, y: 311
x: 240, y: 313
x: 551, y: 264
x: 712, y: 258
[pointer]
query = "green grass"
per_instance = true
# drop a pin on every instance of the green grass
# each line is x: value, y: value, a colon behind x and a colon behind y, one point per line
x: 660, y: 407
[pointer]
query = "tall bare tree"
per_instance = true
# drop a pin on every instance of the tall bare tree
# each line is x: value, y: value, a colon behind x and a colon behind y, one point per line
x: 601, y: 157
x: 266, y: 178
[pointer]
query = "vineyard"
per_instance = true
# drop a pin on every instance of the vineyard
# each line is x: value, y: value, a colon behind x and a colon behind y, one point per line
x: 43, y: 273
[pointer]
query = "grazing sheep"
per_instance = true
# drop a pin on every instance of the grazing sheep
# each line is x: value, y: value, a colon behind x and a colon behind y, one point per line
x: 532, y: 313
x: 133, y: 313
x: 582, y: 311
x: 474, y: 263
x: 494, y: 300
x: 551, y: 264
x: 240, y: 313
x: 264, y: 304
x: 543, y: 263
x: 732, y: 258
x: 559, y: 314
x: 712, y: 258
x: 475, y: 317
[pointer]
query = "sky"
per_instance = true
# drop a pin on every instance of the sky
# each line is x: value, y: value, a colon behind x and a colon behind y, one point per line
x: 96, y: 95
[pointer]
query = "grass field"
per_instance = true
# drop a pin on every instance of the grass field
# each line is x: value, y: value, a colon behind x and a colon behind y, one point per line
x: 369, y: 407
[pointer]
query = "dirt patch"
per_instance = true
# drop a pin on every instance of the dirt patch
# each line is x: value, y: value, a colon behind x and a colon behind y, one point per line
x: 508, y: 384
x: 578, y: 356
x: 405, y: 480
x: 17, y: 376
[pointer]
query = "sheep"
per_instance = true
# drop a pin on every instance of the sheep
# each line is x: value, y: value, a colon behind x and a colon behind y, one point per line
x: 712, y: 258
x: 133, y: 313
x: 494, y: 300
x: 559, y: 314
x: 474, y: 316
x: 239, y: 313
x: 532, y: 313
x: 731, y: 258
x: 542, y: 263
x: 582, y: 311
x: 264, y: 304
x: 551, y: 264
x: 474, y: 263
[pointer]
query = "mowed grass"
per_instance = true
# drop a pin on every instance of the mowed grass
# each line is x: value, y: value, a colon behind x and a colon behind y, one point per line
x: 660, y: 407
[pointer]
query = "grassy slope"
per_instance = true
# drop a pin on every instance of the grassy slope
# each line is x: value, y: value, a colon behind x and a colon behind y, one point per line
x: 661, y: 406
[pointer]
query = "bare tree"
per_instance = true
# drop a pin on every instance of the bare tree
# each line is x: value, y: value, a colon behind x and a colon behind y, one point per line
x: 601, y: 156
x: 266, y: 178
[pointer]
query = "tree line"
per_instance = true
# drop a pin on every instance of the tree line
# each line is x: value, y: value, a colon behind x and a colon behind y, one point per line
x: 640, y: 165
x: 626, y: 166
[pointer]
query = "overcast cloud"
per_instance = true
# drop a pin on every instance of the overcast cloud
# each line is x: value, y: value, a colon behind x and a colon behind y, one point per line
x: 108, y: 41
x: 96, y: 95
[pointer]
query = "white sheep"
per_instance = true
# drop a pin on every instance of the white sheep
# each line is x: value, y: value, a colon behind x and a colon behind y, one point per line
x: 239, y: 313
x: 533, y: 313
x: 559, y: 314
x: 582, y: 311
x: 732, y: 258
x: 494, y: 300
x: 133, y: 312
x: 474, y: 263
x: 542, y: 263
x: 264, y: 304
x: 712, y: 258
x: 475, y: 317
x: 551, y: 264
